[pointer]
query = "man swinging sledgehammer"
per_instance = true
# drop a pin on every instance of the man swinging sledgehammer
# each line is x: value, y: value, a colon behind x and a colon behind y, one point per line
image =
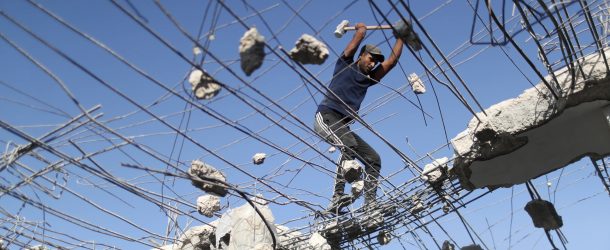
x: 347, y: 90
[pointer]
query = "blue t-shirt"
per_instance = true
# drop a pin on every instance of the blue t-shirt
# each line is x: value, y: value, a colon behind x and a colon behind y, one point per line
x: 349, y: 84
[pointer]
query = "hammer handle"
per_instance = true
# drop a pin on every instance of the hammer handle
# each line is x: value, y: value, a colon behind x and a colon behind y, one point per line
x: 382, y: 27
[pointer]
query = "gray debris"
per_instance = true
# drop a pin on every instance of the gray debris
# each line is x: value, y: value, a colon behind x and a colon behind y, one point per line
x: 417, y: 85
x: 246, y: 228
x: 207, y: 205
x: 447, y: 245
x: 543, y: 214
x: 259, y: 158
x: 251, y: 50
x: 203, y: 85
x: 317, y: 242
x: 384, y: 237
x: 357, y: 187
x: 417, y: 205
x: 198, y: 237
x: 472, y: 247
x: 308, y: 50
x: 208, y: 175
x: 288, y: 239
x: 434, y: 172
x: 352, y: 170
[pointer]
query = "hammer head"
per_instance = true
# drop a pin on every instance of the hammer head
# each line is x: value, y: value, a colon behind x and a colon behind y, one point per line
x: 340, y: 31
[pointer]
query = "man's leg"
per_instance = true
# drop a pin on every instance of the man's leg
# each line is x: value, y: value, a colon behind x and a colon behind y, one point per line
x: 372, y: 165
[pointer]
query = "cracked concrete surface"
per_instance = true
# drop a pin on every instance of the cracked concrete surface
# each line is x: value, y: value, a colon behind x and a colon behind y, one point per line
x: 533, y: 134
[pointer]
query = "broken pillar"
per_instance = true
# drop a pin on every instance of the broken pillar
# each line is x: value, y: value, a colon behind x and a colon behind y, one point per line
x: 207, y: 178
x: 535, y: 133
x: 203, y: 85
x: 417, y: 85
x: 259, y: 158
x: 352, y: 170
x: 207, y: 205
x: 543, y: 214
x: 308, y: 50
x: 251, y: 50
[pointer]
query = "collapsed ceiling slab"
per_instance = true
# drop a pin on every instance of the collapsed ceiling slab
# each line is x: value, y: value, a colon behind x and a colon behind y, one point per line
x: 534, y: 134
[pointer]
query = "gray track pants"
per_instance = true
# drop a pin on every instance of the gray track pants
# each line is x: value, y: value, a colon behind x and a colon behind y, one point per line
x: 333, y: 127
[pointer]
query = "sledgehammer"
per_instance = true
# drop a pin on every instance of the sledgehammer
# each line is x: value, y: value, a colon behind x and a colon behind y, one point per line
x: 403, y: 30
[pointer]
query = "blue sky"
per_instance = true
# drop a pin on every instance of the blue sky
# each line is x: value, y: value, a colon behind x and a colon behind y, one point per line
x: 486, y: 70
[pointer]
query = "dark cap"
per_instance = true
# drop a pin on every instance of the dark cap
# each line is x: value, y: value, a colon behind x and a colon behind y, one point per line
x: 374, y: 51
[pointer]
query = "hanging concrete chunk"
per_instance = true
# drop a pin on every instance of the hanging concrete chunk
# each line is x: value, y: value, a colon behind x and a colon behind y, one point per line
x: 416, y: 84
x: 352, y: 170
x: 209, y: 176
x: 259, y: 158
x: 203, y: 85
x: 251, y: 50
x: 357, y: 187
x: 309, y: 50
x: 207, y: 205
x: 384, y: 237
x: 544, y: 215
x: 417, y: 205
x: 317, y: 242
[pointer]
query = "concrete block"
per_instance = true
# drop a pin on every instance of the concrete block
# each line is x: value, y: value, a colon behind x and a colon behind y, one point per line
x: 251, y: 50
x: 203, y: 85
x: 435, y: 171
x: 207, y: 205
x: 308, y: 50
x: 204, y: 177
x: 259, y: 158
x: 543, y: 214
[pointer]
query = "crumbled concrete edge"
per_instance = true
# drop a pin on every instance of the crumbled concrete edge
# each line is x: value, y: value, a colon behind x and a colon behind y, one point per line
x: 251, y: 51
x: 308, y: 50
x: 204, y: 176
x: 498, y: 133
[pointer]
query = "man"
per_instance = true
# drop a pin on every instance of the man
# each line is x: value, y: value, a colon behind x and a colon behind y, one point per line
x: 350, y: 83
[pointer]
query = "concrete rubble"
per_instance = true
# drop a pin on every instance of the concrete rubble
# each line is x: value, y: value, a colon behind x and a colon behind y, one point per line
x: 203, y: 85
x: 251, y: 51
x: 207, y: 205
x: 205, y: 176
x: 317, y: 242
x: 533, y: 134
x: 308, y: 50
x: 435, y: 171
x: 417, y: 85
x: 259, y: 158
x: 352, y: 170
x: 544, y: 215
x: 447, y: 245
x: 246, y: 228
x: 384, y: 237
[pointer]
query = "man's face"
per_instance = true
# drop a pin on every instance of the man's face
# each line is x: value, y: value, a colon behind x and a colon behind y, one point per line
x: 366, y: 63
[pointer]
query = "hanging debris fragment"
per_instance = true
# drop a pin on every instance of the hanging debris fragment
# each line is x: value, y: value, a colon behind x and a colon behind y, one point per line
x: 207, y: 205
x: 259, y: 158
x: 196, y: 50
x: 198, y: 237
x: 251, y: 50
x: 246, y: 228
x: 416, y: 84
x: 203, y: 85
x: 352, y: 170
x: 447, y: 245
x: 384, y: 237
x: 417, y: 205
x: 308, y: 50
x: 205, y: 176
x: 543, y: 214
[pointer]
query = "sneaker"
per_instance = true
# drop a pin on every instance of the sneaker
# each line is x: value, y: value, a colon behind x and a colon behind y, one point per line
x: 339, y: 202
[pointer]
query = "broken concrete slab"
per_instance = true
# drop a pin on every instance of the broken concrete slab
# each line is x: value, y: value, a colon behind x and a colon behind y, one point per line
x: 251, y: 51
x: 259, y: 158
x: 203, y: 85
x: 308, y: 50
x: 205, y: 177
x: 533, y: 134
x: 207, y: 205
